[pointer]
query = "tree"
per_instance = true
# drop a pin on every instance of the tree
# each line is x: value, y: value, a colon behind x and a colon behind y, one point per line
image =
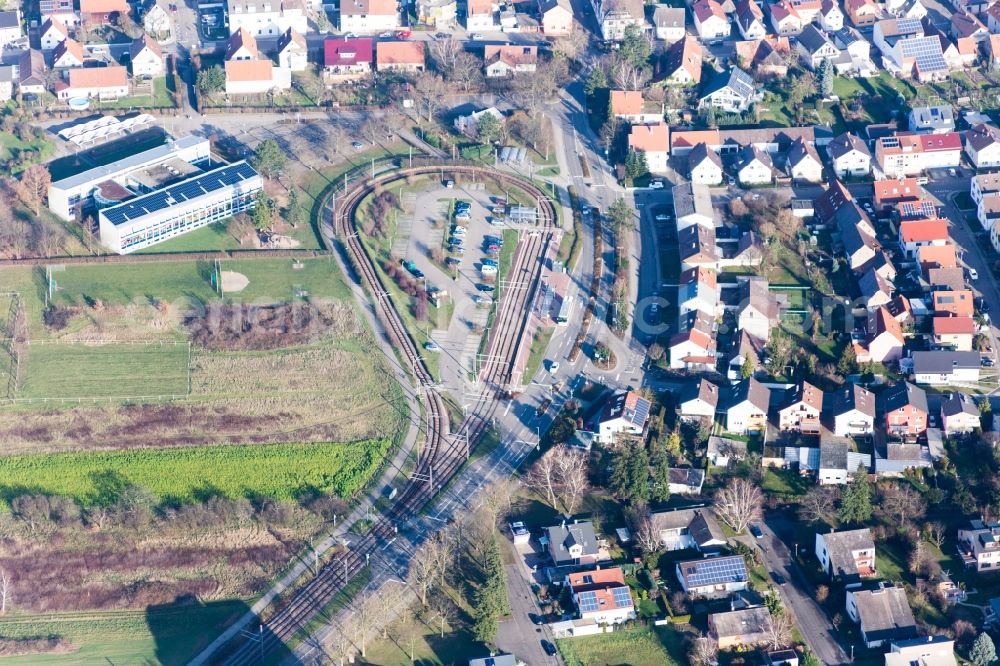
x: 636, y: 165
x: 541, y: 478
x: 5, y: 585
x: 629, y: 479
x: 423, y: 570
x: 560, y: 476
x: 779, y: 631
x: 902, y: 503
x: 739, y: 504
x: 269, y: 159
x: 488, y: 128
x: 297, y: 214
x: 491, y: 597
x: 466, y: 72
x: 983, y: 652
x: 848, y: 363
x: 824, y: 78
x: 620, y: 214
x: 746, y: 370
x: 703, y: 652
x: 262, y: 214
x: 634, y: 47
x: 659, y: 488
x: 856, y: 502
x: 211, y: 81
x: 596, y: 80
x: 34, y: 185
x: 497, y: 500
x: 647, y: 534
x: 430, y: 90
x: 818, y: 504
x: 779, y: 350
x: 936, y: 533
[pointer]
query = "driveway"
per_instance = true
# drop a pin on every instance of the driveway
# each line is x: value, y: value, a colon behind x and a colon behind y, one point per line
x: 518, y: 634
x: 797, y: 593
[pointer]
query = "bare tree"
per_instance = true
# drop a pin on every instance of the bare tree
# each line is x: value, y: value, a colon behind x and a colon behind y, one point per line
x: 423, y: 569
x: 444, y: 53
x: 738, y: 504
x: 902, y: 503
x: 430, y: 90
x: 703, y: 652
x: 542, y: 479
x: 647, y: 534
x: 779, y: 631
x: 341, y: 641
x: 818, y: 504
x: 629, y: 77
x: 34, y: 186
x: 389, y: 599
x: 571, y: 476
x: 5, y: 584
x: 498, y: 498
x: 574, y: 45
x: 374, y: 129
x: 936, y: 532
x: 466, y: 72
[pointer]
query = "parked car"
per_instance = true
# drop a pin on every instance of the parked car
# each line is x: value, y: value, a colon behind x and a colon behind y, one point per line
x: 430, y: 345
x: 778, y: 578
x: 485, y: 287
x: 478, y: 37
x: 412, y: 268
x: 549, y: 648
x: 553, y: 367
x: 973, y: 274
x: 490, y: 262
x: 756, y: 531
x: 357, y: 145
x: 458, y: 230
x: 662, y: 217
x: 404, y: 34
x: 656, y: 185
x: 486, y: 269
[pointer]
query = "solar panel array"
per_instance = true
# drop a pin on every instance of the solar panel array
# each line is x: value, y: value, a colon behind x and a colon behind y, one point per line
x: 588, y: 602
x: 908, y: 26
x: 716, y: 571
x: 179, y: 193
x: 926, y: 51
x: 741, y: 82
x: 641, y: 411
x: 623, y: 597
x: 911, y: 209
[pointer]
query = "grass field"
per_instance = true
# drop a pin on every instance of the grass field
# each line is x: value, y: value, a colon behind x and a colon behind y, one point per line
x: 180, y: 474
x: 278, y: 280
x: 165, y: 636
x: 212, y: 237
x: 120, y: 284
x: 635, y: 647
x: 103, y: 371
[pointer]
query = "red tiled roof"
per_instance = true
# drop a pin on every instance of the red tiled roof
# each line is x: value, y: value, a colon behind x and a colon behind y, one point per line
x: 346, y: 52
x: 954, y: 325
x: 922, y: 231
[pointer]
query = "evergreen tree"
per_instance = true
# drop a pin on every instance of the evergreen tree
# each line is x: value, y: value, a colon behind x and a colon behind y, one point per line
x: 491, y: 598
x: 269, y: 159
x: 297, y: 215
x: 983, y: 652
x: 848, y: 363
x: 629, y: 479
x: 596, y: 80
x: 635, y: 164
x: 856, y: 502
x: 634, y: 47
x: 746, y: 370
x: 659, y: 489
x: 708, y: 116
x: 263, y: 211
x: 824, y: 78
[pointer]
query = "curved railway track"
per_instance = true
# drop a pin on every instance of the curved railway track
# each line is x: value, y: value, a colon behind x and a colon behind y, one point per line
x: 441, y: 456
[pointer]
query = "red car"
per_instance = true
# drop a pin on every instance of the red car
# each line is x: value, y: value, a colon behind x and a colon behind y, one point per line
x: 404, y: 34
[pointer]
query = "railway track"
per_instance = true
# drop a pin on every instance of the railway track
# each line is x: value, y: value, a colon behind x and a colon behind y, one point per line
x: 442, y: 456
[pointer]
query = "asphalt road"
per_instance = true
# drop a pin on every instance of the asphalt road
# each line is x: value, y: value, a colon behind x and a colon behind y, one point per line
x: 518, y: 634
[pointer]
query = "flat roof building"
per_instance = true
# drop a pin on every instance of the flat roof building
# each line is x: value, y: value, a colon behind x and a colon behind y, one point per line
x: 185, y: 206
x: 66, y: 194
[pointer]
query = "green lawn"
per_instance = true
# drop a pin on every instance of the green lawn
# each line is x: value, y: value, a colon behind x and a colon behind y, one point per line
x: 165, y: 635
x: 10, y: 145
x: 161, y: 98
x: 635, y: 647
x: 119, y: 284
x: 112, y: 370
x: 785, y: 482
x: 279, y: 280
x: 207, y: 239
x: 538, y: 346
x: 179, y: 474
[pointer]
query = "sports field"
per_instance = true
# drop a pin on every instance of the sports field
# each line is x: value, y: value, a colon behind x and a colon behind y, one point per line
x: 279, y: 471
x: 55, y: 370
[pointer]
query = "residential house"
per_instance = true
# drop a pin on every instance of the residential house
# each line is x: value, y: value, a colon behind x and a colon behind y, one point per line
x: 480, y: 16
x: 402, y: 56
x: 685, y: 480
x: 156, y: 21
x: 883, y: 613
x: 748, y: 406
x: 957, y: 303
x: 697, y: 247
x: 982, y: 145
x: 293, y: 52
x: 731, y: 92
x: 862, y: 13
x: 936, y: 256
x: 850, y: 156
x: 915, y: 234
x: 952, y: 279
x: 693, y: 206
x: 854, y: 44
x: 104, y: 83
x: 146, y: 58
x: 814, y: 47
x: 623, y: 413
x: 502, y: 60
x: 367, y: 17
x: 959, y: 414
x: 557, y: 17
x: 954, y: 333
x: 743, y: 628
x: 946, y: 367
x: 876, y: 291
x: 704, y: 166
x: 757, y: 312
x: 242, y: 46
x: 765, y: 57
x: 68, y: 54
x: 750, y: 20
x: 964, y: 24
x: 847, y: 556
x: 979, y: 545
x: 271, y: 18
x: 698, y: 290
x: 917, y: 209
x: 698, y: 401
x: 439, y: 13
x: 905, y: 408
x: 831, y: 18
x: 469, y: 125
x: 682, y: 63
x: 653, y: 143
x: 984, y: 184
x: 693, y: 347
x: 723, y: 449
x: 922, y: 651
x: 628, y: 105
x: 785, y: 19
x: 102, y: 12
x: 601, y: 596
x: 710, y: 21
x: 851, y: 410
x: 255, y: 77
x: 615, y: 16
x: 52, y: 33
x: 572, y: 544
x: 993, y: 46
x: 988, y: 212
x: 885, y: 340
x: 754, y: 167
x: 890, y: 192
x: 345, y: 59
x: 856, y: 234
x: 668, y: 23
x: 713, y: 577
x: 694, y: 529
x: 908, y: 154
x: 31, y: 72
x: 931, y: 120
x: 803, y: 163
x: 801, y: 409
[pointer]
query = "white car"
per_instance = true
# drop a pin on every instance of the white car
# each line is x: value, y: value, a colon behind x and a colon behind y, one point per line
x: 486, y: 269
x: 458, y: 231
x: 656, y: 185
x: 430, y: 345
x: 553, y: 367
x: 478, y: 37
x: 662, y: 217
x: 973, y: 274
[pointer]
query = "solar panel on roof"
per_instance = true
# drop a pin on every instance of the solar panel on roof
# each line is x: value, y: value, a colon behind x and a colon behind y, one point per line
x: 623, y: 598
x: 717, y: 571
x: 641, y: 411
x: 907, y: 25
x: 588, y: 602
